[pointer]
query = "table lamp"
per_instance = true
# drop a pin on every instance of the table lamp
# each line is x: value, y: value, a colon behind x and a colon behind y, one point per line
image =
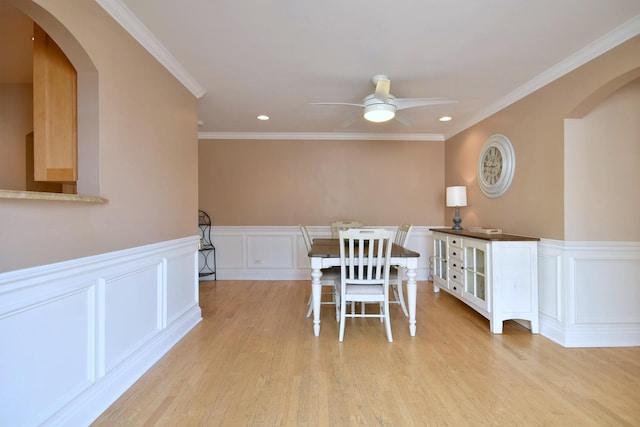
x: 456, y: 197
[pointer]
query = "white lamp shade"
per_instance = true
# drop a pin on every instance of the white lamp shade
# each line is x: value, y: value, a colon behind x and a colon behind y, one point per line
x: 457, y: 196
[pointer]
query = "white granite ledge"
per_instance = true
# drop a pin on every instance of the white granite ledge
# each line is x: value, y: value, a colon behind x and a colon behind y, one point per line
x: 36, y: 195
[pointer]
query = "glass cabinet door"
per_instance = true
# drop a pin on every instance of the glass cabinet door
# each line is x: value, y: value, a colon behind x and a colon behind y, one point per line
x: 440, y: 258
x: 475, y: 272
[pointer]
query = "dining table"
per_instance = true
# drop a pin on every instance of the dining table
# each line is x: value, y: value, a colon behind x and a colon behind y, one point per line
x: 325, y: 253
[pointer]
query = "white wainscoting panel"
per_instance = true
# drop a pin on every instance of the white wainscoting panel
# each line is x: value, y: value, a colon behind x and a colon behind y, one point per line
x: 550, y: 279
x: 272, y: 251
x: 75, y: 335
x: 230, y: 248
x: 132, y: 313
x: 608, y: 291
x: 278, y: 253
x: 45, y: 341
x: 590, y: 293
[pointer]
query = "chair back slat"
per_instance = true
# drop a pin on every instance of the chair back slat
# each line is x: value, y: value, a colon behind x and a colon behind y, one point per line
x: 306, y: 237
x: 363, y: 254
x: 338, y: 226
x: 402, y: 234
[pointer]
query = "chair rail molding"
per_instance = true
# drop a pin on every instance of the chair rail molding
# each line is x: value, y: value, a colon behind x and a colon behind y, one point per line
x: 77, y: 334
x: 278, y: 253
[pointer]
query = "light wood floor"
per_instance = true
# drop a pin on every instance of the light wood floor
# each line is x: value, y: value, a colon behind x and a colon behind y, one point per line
x: 254, y: 361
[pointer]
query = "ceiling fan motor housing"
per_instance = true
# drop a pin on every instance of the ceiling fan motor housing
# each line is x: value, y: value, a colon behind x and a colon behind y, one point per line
x: 378, y: 111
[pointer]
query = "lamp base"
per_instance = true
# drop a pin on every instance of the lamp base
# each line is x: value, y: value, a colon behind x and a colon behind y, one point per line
x: 457, y: 220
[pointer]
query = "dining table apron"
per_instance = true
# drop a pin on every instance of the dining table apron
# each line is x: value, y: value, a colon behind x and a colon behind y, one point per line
x: 325, y: 253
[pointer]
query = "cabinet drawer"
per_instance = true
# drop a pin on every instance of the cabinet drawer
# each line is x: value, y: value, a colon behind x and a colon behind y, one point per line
x: 455, y: 284
x: 455, y: 276
x: 454, y: 241
x: 455, y: 266
x: 455, y: 253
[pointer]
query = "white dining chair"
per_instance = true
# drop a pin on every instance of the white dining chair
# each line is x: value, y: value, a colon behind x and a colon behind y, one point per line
x: 396, y: 273
x: 338, y: 226
x: 364, y: 273
x: 329, y: 278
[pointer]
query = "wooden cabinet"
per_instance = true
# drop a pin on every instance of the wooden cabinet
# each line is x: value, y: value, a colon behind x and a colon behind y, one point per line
x: 496, y: 275
x: 55, y: 112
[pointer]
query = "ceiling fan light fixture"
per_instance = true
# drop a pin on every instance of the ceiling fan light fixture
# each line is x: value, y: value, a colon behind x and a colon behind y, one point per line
x: 379, y: 113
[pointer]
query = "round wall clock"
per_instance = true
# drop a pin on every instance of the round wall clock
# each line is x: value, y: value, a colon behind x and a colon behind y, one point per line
x: 496, y: 166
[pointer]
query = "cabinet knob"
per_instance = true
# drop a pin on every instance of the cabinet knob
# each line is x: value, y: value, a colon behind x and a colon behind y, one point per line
x: 455, y: 289
x: 455, y: 253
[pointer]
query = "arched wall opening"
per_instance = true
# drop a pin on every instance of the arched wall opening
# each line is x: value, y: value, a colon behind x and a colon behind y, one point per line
x: 88, y: 119
x: 602, y: 152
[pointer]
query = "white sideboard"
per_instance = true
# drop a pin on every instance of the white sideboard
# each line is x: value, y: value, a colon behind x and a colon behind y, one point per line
x: 495, y: 274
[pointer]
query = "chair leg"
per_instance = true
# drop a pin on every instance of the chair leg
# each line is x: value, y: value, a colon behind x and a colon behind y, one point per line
x: 310, y: 304
x: 400, y: 295
x: 343, y: 316
x: 387, y: 323
x: 336, y: 300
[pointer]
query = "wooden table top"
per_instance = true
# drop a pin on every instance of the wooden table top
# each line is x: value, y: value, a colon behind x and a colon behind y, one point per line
x: 330, y: 248
x: 483, y: 236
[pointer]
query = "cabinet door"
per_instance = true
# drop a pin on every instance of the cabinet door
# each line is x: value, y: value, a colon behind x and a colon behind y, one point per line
x: 476, y: 256
x: 54, y: 111
x: 440, y: 260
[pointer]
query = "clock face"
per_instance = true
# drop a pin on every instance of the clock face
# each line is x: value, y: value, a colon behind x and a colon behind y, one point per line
x: 496, y: 166
x: 492, y: 165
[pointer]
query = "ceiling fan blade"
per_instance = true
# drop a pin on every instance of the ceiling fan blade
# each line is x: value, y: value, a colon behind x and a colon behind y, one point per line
x: 383, y: 86
x: 401, y: 118
x: 337, y: 103
x: 349, y: 122
x: 402, y: 103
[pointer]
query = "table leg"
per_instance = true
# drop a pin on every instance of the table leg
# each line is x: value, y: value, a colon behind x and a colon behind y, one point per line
x: 316, y: 292
x: 412, y: 289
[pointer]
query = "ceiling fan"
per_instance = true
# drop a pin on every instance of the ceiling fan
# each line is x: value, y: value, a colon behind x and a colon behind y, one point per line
x: 381, y: 106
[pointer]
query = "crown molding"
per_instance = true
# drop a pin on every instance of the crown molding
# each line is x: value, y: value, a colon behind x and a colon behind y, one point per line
x: 324, y: 136
x: 141, y: 33
x: 605, y: 43
x: 130, y: 22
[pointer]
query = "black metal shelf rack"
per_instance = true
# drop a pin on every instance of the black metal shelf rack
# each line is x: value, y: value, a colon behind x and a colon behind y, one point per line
x: 207, y: 250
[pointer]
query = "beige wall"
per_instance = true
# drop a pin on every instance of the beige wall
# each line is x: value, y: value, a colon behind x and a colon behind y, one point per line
x: 274, y: 182
x: 16, y: 121
x: 147, y: 156
x: 602, y: 161
x: 534, y: 204
x: 288, y: 182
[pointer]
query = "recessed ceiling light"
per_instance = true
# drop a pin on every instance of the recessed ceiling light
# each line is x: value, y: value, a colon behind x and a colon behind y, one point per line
x: 263, y: 117
x: 444, y: 118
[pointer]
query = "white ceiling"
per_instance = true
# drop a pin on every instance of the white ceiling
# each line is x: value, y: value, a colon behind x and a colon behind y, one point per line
x: 245, y: 58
